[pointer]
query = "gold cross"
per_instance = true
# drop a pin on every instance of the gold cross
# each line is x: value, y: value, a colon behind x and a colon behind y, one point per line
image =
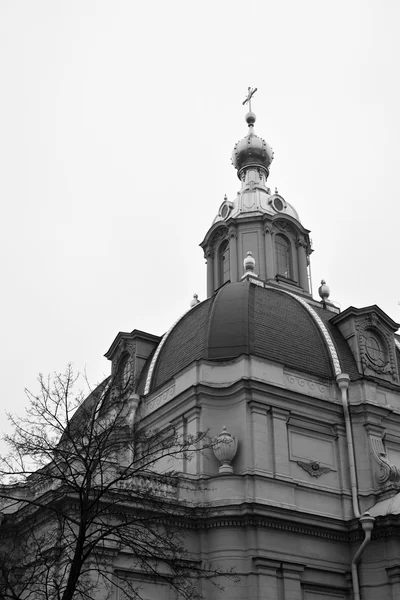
x: 249, y: 96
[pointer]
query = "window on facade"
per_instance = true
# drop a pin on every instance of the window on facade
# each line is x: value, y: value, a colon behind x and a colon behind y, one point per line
x: 283, y: 257
x: 375, y: 349
x: 224, y: 267
x: 124, y: 371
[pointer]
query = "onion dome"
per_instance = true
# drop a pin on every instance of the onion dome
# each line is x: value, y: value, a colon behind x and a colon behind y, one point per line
x: 251, y: 151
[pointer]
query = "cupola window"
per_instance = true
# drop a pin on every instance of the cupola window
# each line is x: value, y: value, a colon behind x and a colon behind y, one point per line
x: 224, y: 265
x: 283, y: 256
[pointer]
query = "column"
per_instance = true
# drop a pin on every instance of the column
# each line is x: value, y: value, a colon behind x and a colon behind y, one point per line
x: 302, y: 262
x: 209, y: 255
x: 269, y: 582
x: 233, y: 257
x: 270, y: 270
x: 261, y: 445
x: 281, y: 449
x: 216, y: 270
x: 292, y: 580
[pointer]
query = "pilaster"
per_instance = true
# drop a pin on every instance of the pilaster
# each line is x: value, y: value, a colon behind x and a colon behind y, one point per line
x: 210, y: 273
x: 269, y: 253
x: 281, y: 448
x: 233, y: 255
x: 259, y: 435
x: 291, y: 574
x: 302, y: 262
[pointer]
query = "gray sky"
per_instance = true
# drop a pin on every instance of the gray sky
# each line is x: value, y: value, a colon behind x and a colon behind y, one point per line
x: 118, y: 119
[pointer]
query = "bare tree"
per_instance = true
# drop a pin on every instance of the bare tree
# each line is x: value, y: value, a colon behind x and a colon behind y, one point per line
x: 81, y: 484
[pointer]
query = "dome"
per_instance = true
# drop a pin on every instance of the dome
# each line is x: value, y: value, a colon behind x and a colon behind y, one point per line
x: 243, y: 318
x: 251, y: 150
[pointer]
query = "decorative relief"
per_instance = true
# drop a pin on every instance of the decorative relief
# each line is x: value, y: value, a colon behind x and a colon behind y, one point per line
x: 307, y: 386
x: 282, y: 225
x: 313, y: 468
x: 301, y: 242
x: 268, y: 229
x: 219, y: 234
x: 304, y: 445
x: 159, y: 400
x: 162, y: 486
x: 376, y: 347
x: 388, y: 474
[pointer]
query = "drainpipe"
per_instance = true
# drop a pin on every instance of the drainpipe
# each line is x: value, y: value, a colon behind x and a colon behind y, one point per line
x: 366, y: 520
x: 343, y: 383
x: 367, y: 523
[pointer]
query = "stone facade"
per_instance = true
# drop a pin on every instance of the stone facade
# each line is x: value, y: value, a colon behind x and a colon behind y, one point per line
x: 306, y: 398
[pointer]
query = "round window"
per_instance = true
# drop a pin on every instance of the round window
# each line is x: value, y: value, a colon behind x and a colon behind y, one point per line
x: 278, y: 204
x: 225, y: 211
x: 374, y: 350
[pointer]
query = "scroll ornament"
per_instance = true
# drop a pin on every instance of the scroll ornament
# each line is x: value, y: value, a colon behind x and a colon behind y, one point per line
x: 387, y: 475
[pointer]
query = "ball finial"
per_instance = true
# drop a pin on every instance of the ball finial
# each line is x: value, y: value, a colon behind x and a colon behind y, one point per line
x: 250, y: 119
x: 249, y: 263
x: 194, y: 301
x: 324, y: 291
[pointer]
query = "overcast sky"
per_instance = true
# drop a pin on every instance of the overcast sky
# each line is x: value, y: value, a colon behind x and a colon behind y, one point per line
x: 117, y: 121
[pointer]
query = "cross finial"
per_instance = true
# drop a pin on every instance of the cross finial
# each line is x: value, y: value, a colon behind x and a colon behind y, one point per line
x: 250, y: 94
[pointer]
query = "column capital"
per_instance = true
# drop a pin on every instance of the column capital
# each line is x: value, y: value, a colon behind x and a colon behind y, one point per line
x: 258, y: 407
x: 280, y: 413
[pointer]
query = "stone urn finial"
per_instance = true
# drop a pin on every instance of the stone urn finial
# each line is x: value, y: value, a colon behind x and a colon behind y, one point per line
x: 224, y: 448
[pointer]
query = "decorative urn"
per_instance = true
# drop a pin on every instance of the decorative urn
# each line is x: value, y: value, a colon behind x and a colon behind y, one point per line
x: 225, y: 447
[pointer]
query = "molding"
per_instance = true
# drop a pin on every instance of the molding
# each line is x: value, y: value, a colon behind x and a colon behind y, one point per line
x: 152, y: 404
x: 393, y: 573
x: 310, y: 387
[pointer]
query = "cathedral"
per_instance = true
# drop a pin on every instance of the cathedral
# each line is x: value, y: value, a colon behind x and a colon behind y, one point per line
x: 302, y: 400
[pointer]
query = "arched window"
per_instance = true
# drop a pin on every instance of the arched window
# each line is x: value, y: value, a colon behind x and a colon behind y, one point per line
x: 224, y: 266
x: 124, y: 371
x: 283, y: 257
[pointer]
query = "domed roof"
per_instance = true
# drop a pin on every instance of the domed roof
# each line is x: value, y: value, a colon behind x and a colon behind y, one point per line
x: 251, y: 150
x: 243, y: 318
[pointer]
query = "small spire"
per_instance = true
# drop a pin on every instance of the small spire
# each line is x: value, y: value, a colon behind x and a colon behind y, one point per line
x: 195, y: 300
